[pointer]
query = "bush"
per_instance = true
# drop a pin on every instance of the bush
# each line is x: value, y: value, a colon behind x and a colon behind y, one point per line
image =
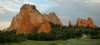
x: 33, y: 36
x: 10, y: 36
x: 57, y: 33
x: 95, y: 37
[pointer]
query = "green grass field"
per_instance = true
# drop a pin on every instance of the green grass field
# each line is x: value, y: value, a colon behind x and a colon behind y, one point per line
x: 59, y: 42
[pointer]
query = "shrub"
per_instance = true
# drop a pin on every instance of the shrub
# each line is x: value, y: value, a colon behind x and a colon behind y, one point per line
x: 95, y: 37
x: 10, y: 36
x: 57, y: 33
x: 63, y: 32
x: 33, y: 36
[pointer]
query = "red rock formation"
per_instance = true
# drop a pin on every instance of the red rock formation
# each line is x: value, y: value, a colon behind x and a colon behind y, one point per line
x: 31, y: 20
x: 91, y: 23
x: 84, y: 23
x: 70, y: 24
x: 54, y: 19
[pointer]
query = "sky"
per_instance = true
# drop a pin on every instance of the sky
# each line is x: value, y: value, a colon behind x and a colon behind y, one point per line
x: 65, y: 9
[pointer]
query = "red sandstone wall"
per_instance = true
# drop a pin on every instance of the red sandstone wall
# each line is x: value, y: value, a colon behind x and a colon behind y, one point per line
x: 84, y: 23
x: 31, y: 20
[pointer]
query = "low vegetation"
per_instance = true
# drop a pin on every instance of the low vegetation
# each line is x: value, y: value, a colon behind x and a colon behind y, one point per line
x: 58, y: 42
x: 57, y: 33
x: 10, y: 36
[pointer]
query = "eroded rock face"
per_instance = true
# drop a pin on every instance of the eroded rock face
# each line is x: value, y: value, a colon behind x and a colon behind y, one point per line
x: 31, y: 20
x: 70, y: 24
x: 84, y: 23
x: 54, y: 19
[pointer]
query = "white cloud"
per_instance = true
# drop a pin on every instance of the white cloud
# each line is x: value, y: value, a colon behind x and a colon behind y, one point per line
x: 74, y: 9
x: 4, y: 25
x: 65, y: 1
x: 45, y: 0
x: 44, y: 5
x: 16, y: 5
x: 1, y: 12
x: 78, y: 1
x: 24, y: 1
x: 20, y: 1
x: 31, y: 3
x: 71, y: 9
x: 92, y: 1
x: 7, y: 7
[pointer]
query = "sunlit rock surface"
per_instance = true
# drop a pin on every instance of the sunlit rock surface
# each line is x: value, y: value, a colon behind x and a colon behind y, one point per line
x: 29, y: 20
x: 84, y: 23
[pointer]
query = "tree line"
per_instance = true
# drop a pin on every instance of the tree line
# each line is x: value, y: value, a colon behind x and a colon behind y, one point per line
x: 57, y: 33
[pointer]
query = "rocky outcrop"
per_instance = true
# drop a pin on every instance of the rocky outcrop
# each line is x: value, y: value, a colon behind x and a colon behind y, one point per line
x: 70, y: 24
x: 84, y: 23
x: 29, y: 20
x: 54, y: 19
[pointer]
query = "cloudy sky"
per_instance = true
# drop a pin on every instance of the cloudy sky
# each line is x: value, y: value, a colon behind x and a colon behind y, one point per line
x: 65, y: 9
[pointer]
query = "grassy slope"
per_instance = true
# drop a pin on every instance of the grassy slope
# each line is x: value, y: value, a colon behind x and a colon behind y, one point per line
x: 67, y: 42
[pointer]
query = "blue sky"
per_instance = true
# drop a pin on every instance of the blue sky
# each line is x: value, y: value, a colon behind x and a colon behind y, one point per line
x: 65, y: 9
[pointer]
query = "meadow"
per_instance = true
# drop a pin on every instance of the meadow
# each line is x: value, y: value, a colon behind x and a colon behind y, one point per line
x: 58, y: 42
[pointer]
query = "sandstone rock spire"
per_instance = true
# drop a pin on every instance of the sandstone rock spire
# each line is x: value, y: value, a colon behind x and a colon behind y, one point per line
x: 30, y: 20
x: 84, y: 23
x: 70, y: 24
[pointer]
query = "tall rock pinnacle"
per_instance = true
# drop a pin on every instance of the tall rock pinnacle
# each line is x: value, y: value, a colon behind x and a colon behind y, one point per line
x: 29, y: 20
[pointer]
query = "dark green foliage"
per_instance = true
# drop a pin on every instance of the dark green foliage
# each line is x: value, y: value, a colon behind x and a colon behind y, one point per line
x: 41, y: 36
x: 53, y: 44
x: 0, y: 30
x: 63, y: 32
x: 57, y: 33
x: 47, y: 36
x: 10, y: 36
x: 33, y: 36
x: 95, y: 37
